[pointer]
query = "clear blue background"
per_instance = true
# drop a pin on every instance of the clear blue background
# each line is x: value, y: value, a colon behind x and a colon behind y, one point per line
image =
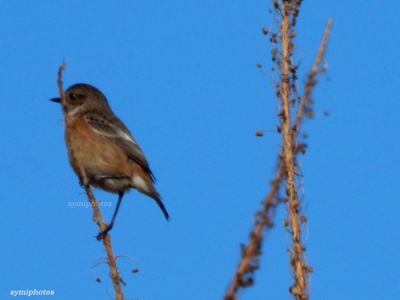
x: 182, y: 76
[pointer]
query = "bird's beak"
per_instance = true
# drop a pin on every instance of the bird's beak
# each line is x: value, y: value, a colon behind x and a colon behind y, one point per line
x: 56, y: 100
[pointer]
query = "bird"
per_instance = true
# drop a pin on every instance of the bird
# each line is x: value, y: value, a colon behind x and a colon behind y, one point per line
x: 101, y: 147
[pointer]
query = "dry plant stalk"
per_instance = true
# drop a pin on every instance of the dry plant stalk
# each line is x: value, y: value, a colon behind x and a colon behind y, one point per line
x: 291, y: 146
x: 298, y: 263
x: 97, y: 217
x: 251, y: 253
x: 287, y: 170
x: 316, y: 69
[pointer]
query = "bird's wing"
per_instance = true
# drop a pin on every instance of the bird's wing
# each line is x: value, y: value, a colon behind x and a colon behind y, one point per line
x: 112, y: 129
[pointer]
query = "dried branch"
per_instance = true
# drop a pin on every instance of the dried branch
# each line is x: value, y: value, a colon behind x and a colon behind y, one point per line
x: 251, y: 253
x: 305, y: 106
x: 60, y: 82
x: 114, y: 274
x: 97, y: 217
x: 299, y: 266
x: 287, y: 13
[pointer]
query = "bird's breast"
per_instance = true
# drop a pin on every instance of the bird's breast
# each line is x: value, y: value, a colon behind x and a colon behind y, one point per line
x: 93, y: 152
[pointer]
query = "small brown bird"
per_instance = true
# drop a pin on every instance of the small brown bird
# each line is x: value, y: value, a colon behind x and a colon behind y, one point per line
x: 100, y: 146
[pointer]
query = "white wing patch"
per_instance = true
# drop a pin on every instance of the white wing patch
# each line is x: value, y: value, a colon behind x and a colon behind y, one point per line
x: 125, y: 136
x: 107, y: 128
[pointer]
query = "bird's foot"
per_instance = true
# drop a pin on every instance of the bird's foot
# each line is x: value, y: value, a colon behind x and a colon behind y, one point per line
x: 103, y: 233
x: 84, y: 186
x: 85, y: 182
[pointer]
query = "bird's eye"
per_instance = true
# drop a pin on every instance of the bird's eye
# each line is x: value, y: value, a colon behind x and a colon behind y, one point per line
x: 73, y: 96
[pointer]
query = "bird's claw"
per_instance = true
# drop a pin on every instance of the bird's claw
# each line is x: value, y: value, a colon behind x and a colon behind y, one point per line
x: 83, y: 184
x: 100, y: 236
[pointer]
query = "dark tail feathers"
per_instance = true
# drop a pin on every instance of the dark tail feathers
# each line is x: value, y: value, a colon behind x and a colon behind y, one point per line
x: 156, y: 196
x: 161, y: 206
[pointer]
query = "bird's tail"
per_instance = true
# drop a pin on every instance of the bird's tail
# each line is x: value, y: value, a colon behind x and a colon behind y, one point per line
x: 161, y: 206
x: 152, y: 192
x: 147, y: 187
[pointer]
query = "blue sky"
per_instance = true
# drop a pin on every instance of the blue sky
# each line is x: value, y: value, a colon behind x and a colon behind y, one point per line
x: 182, y: 76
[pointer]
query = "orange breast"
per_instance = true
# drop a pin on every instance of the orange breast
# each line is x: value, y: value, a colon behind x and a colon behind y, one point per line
x: 93, y: 153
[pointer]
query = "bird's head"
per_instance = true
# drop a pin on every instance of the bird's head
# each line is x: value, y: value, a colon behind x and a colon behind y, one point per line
x: 80, y: 98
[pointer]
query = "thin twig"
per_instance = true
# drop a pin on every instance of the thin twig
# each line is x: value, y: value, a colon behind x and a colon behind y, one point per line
x: 250, y: 253
x: 311, y: 78
x: 114, y: 274
x: 60, y: 83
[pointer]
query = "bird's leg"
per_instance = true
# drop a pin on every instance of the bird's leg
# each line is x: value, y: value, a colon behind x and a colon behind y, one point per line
x: 102, y: 233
